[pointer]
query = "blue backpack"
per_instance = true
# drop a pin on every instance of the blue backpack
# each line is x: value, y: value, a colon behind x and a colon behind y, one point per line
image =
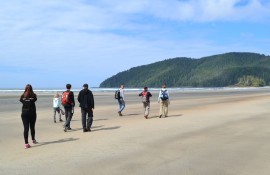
x: 164, y: 95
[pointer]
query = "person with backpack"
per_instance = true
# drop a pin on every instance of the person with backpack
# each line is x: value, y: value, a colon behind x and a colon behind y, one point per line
x: 164, y: 100
x: 68, y: 102
x: 28, y: 115
x: 146, y: 101
x: 119, y: 95
x: 57, y: 107
x: 86, y: 100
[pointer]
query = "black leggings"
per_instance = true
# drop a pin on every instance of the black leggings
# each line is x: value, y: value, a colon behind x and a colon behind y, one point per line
x: 28, y: 119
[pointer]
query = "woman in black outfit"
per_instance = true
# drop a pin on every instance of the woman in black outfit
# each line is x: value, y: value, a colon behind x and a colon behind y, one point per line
x: 29, y: 115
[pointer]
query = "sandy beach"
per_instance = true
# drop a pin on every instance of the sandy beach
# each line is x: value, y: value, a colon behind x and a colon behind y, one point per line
x: 215, y: 132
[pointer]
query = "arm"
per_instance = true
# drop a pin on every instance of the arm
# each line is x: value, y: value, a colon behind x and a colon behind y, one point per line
x: 122, y: 94
x: 79, y: 97
x: 168, y: 97
x: 140, y: 94
x: 72, y: 99
x: 59, y: 102
x: 35, y: 98
x: 21, y: 99
x: 159, y: 96
x: 93, y: 101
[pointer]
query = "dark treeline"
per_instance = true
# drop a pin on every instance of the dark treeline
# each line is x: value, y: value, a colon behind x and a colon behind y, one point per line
x: 213, y: 71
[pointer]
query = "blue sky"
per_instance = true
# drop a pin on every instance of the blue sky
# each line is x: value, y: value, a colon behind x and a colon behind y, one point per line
x: 49, y: 43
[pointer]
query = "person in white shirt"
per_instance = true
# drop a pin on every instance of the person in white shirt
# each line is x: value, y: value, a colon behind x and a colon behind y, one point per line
x: 57, y: 107
x: 164, y: 100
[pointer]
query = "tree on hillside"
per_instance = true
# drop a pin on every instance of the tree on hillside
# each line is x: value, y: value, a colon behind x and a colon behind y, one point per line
x: 248, y: 81
x: 213, y: 71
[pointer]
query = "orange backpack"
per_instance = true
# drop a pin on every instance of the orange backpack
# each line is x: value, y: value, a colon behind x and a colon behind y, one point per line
x: 66, y: 98
x: 144, y: 96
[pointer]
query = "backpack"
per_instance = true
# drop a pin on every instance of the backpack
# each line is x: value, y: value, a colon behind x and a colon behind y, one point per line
x: 27, y: 103
x: 66, y: 98
x: 117, y: 95
x: 164, y: 95
x: 144, y: 96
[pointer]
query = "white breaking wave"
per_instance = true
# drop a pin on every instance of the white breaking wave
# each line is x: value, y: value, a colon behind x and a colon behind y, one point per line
x: 9, y: 91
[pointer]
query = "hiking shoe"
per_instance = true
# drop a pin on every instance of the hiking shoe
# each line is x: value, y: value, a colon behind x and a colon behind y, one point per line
x: 89, y: 130
x: 146, y: 117
x: 60, y: 120
x: 160, y: 116
x: 69, y: 128
x: 26, y: 146
x: 54, y: 121
x: 85, y: 130
x: 119, y: 113
x: 34, y: 142
x: 65, y: 129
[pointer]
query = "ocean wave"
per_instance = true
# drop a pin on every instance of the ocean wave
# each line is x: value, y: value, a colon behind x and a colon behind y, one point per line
x: 7, y: 91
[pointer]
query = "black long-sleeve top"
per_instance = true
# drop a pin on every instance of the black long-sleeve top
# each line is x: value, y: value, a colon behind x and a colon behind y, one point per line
x: 28, y: 103
x: 86, y: 99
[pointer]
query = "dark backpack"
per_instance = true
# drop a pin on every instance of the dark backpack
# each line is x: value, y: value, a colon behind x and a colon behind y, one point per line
x: 164, y: 95
x: 117, y: 95
x: 66, y: 98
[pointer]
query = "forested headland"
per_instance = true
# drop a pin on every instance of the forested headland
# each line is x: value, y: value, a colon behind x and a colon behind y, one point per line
x: 229, y: 69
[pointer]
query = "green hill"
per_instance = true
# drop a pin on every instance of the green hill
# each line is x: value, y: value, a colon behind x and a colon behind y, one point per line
x: 213, y: 71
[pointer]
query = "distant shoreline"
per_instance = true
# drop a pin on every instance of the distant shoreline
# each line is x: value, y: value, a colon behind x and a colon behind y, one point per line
x: 184, y: 89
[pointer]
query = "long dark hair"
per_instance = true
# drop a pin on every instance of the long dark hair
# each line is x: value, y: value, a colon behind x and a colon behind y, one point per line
x: 28, y: 92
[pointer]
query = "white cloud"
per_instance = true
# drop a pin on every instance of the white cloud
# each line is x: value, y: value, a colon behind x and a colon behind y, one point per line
x: 210, y: 10
x: 50, y: 33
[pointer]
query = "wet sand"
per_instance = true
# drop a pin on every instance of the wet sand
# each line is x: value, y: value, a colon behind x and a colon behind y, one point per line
x: 208, y: 132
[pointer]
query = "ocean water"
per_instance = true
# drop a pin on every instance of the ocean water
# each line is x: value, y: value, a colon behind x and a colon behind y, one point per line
x: 49, y: 90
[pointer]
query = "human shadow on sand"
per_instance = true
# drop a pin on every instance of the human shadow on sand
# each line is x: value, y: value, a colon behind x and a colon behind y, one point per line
x: 130, y: 114
x: 157, y: 116
x: 56, y: 141
x: 108, y: 128
x: 100, y: 119
x: 93, y: 127
x: 176, y: 115
x: 74, y: 129
x: 96, y: 128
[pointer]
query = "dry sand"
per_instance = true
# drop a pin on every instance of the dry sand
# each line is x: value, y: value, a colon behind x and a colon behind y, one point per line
x: 206, y: 133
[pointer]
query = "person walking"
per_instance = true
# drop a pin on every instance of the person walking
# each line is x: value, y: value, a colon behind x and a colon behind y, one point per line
x: 146, y: 101
x: 57, y: 107
x: 121, y: 100
x: 68, y: 102
x: 86, y: 100
x: 28, y: 115
x: 164, y: 100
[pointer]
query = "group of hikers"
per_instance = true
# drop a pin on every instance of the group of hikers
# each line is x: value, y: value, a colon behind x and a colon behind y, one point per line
x: 86, y: 100
x: 87, y: 105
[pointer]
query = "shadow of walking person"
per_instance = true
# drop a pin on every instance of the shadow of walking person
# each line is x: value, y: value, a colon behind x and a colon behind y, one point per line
x: 55, y: 142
